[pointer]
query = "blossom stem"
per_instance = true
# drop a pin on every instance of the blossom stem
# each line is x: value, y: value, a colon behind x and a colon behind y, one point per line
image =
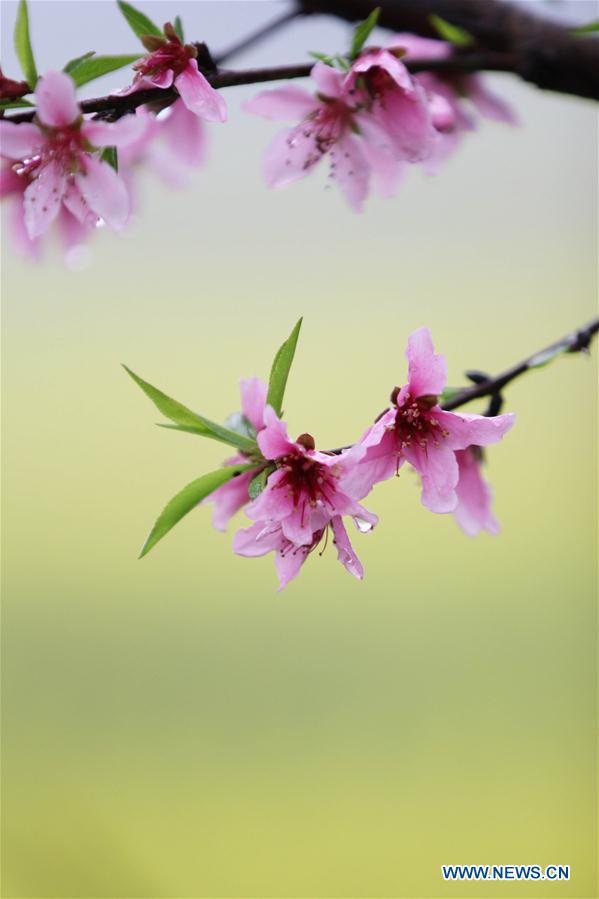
x: 259, y: 35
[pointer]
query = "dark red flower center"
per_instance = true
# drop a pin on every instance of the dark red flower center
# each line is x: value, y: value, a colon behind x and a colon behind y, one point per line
x: 416, y: 423
x: 307, y: 480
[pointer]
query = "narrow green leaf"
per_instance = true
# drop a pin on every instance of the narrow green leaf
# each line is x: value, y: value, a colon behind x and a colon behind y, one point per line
x: 111, y: 156
x: 178, y: 26
x: 73, y: 63
x: 191, y: 421
x: 15, y: 104
x: 23, y: 45
x: 138, y: 21
x: 96, y: 66
x: 258, y: 483
x: 280, y: 370
x: 589, y: 28
x: 363, y: 31
x: 323, y: 57
x: 451, y: 33
x: 187, y: 499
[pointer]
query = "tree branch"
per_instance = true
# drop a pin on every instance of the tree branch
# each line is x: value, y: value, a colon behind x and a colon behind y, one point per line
x: 544, y: 53
x: 115, y: 106
x: 251, y: 39
x: 576, y: 342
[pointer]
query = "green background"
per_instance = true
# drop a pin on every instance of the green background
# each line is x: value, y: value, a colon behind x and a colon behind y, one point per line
x: 174, y: 726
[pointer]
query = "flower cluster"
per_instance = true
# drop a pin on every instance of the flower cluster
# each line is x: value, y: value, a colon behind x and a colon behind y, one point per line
x: 374, y: 119
x: 295, y: 494
x: 69, y: 171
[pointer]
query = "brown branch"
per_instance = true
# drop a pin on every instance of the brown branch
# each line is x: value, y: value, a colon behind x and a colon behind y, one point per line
x: 115, y: 106
x: 576, y: 342
x: 544, y: 53
x: 261, y: 34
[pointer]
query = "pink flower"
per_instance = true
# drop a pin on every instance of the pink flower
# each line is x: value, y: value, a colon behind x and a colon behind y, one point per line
x: 233, y: 495
x: 418, y: 431
x: 326, y: 128
x: 473, y: 512
x: 57, y: 161
x: 12, y: 187
x: 368, y: 121
x: 171, y: 143
x: 173, y: 63
x: 261, y: 538
x: 388, y: 95
x: 453, y: 118
x: 302, y: 498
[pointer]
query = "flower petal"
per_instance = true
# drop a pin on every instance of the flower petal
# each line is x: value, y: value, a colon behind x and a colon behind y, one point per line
x: 284, y: 103
x: 56, y: 101
x: 253, y: 400
x: 257, y: 540
x: 329, y: 81
x: 288, y: 562
x: 273, y: 440
x: 42, y: 199
x: 104, y: 192
x: 487, y: 103
x: 198, y: 94
x: 345, y: 551
x: 125, y: 131
x: 351, y: 171
x: 438, y: 470
x: 427, y: 372
x: 184, y: 135
x: 473, y: 512
x: 473, y: 430
x: 230, y: 498
x: 291, y: 155
x: 382, y: 59
x: 20, y: 141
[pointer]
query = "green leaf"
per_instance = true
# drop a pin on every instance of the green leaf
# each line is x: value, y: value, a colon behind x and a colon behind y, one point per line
x: 87, y: 69
x: 449, y: 393
x: 187, y: 499
x: 178, y: 26
x: 138, y: 22
x: 451, y: 33
x: 23, y: 45
x: 589, y: 28
x: 15, y: 104
x: 258, y: 483
x: 280, y: 370
x: 111, y: 156
x: 73, y: 63
x: 363, y: 31
x: 322, y: 57
x: 191, y: 421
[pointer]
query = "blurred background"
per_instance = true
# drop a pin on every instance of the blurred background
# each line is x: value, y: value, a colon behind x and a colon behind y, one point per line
x: 174, y: 726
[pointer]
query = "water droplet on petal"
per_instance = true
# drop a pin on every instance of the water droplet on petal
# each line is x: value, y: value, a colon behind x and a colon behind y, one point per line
x: 363, y: 526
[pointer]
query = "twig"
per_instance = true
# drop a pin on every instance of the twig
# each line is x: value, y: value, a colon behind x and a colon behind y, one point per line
x: 572, y: 343
x: 259, y: 35
x: 576, y: 342
x: 118, y: 105
x: 544, y: 53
